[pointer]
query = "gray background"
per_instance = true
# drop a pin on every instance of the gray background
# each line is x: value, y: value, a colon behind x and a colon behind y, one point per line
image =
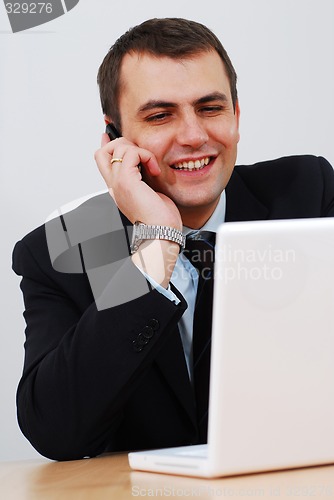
x: 51, y: 121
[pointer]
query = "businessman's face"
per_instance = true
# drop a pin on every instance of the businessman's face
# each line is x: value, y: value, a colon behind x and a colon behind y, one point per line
x: 182, y: 111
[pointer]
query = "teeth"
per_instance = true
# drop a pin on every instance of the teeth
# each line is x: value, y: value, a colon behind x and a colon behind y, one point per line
x: 192, y: 165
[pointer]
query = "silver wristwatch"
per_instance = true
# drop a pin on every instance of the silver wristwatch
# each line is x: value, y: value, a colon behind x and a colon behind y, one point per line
x: 143, y: 232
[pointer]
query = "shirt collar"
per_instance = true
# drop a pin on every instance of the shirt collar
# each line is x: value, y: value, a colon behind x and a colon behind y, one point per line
x: 216, y: 219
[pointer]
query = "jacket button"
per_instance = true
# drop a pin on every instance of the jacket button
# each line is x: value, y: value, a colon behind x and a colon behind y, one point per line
x: 141, y: 340
x: 147, y: 332
x: 136, y: 347
x: 154, y: 324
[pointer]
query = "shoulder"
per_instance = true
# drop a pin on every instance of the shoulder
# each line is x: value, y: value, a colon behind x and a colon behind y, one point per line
x: 31, y: 248
x: 305, y: 171
x: 285, y: 168
x: 56, y: 243
x: 292, y: 186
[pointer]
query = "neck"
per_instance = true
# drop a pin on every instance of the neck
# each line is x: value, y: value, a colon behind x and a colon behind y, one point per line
x: 195, y: 218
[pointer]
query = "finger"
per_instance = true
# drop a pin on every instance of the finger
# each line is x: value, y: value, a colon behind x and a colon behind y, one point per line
x: 149, y: 161
x: 153, y: 167
x: 104, y: 154
x: 134, y: 154
x: 104, y: 140
x: 102, y: 159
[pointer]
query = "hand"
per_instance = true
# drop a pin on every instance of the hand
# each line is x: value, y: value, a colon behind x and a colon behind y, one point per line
x: 138, y: 202
x: 135, y: 199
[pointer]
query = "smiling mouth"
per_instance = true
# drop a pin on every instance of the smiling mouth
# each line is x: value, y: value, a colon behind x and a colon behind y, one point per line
x: 192, y: 165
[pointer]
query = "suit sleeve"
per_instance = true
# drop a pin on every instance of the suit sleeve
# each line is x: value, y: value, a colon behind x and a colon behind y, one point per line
x: 328, y: 189
x: 82, y: 364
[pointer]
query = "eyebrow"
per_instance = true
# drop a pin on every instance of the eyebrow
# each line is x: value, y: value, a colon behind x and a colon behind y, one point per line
x: 155, y: 104
x: 215, y: 96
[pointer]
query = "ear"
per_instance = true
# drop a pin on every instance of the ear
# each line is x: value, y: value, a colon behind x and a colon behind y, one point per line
x: 237, y: 111
x: 237, y: 117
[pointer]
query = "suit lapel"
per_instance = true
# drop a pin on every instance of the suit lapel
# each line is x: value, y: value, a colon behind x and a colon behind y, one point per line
x: 241, y: 204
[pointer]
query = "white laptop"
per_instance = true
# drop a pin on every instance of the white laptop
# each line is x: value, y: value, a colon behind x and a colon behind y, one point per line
x: 272, y: 359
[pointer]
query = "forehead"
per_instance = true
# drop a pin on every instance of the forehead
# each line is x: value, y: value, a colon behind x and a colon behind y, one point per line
x: 145, y: 77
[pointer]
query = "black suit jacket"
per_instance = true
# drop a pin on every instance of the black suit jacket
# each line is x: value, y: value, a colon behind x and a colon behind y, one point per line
x: 86, y: 386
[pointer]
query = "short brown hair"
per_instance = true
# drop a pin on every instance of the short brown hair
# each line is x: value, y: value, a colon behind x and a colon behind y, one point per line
x: 172, y: 37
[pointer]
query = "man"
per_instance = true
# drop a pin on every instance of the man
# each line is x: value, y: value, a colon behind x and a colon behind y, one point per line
x: 110, y: 363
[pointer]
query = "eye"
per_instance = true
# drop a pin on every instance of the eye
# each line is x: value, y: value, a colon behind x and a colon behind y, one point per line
x: 211, y: 110
x: 158, y: 117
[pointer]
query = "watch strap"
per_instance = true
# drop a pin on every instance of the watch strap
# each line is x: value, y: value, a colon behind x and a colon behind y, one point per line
x: 142, y: 232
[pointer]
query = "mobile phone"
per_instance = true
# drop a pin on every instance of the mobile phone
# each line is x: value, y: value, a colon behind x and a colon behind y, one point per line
x: 112, y: 131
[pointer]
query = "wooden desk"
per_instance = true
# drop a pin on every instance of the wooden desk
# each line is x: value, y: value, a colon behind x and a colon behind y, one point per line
x: 109, y: 478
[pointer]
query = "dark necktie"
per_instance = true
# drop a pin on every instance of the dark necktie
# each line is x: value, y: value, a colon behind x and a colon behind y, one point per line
x: 200, y: 251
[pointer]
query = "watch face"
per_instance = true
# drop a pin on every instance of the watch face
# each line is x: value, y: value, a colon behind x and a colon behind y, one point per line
x: 136, y: 240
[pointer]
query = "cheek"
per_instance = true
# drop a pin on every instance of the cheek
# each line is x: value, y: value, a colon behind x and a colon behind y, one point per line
x: 152, y: 141
x: 232, y: 135
x: 158, y: 142
x: 228, y: 134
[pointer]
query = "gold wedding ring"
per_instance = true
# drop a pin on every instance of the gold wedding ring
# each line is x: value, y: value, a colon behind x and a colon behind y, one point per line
x: 113, y: 160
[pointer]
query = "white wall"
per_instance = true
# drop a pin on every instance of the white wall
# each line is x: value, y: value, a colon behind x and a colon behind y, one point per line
x: 51, y: 121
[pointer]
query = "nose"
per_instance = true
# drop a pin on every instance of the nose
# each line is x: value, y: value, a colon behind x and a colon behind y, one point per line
x: 191, y: 132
